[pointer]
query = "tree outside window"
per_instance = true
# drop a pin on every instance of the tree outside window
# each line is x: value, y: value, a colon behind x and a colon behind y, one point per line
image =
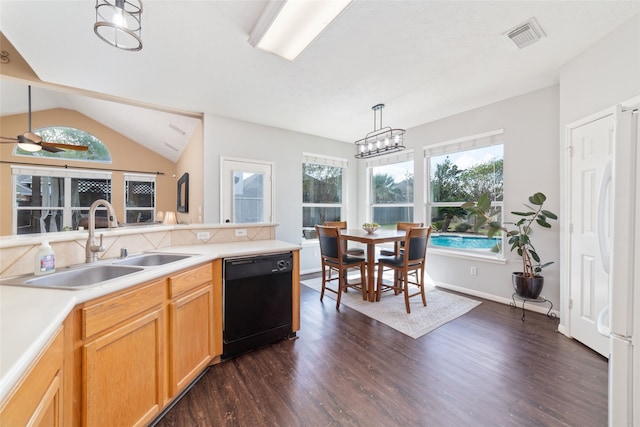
x: 392, y: 194
x: 321, y: 196
x: 462, y: 176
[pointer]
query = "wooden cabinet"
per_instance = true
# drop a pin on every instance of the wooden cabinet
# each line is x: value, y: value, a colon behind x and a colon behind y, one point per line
x: 191, y: 326
x: 127, y: 355
x: 37, y: 401
x: 122, y: 357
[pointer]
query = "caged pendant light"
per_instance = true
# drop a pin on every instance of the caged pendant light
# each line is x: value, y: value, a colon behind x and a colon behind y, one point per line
x: 118, y: 23
x: 380, y: 141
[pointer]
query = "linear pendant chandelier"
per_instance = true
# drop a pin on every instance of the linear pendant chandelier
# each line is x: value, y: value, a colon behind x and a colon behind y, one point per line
x: 118, y: 23
x: 380, y: 141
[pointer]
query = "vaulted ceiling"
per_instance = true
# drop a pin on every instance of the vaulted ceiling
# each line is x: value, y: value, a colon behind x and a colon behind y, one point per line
x: 424, y: 59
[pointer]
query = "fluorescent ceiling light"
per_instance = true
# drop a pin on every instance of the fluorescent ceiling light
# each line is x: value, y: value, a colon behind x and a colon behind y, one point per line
x: 287, y: 27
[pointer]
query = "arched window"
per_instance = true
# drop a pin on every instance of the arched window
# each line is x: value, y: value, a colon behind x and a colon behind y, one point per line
x: 97, y: 152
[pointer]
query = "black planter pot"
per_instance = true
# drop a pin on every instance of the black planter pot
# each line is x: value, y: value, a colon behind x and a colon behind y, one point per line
x: 527, y: 287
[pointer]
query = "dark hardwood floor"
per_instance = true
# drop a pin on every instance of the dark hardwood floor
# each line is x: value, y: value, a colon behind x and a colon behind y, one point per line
x: 486, y: 368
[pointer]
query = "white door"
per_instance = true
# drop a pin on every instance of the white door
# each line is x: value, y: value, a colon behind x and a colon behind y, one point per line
x: 246, y: 191
x: 590, y: 207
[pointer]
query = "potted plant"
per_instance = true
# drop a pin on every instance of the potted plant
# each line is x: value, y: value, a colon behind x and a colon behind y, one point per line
x: 527, y: 283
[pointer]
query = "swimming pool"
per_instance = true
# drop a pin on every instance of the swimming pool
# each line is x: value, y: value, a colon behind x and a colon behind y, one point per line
x: 464, y: 242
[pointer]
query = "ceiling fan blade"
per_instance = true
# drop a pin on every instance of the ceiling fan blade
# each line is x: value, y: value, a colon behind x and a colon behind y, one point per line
x: 8, y: 140
x: 22, y: 139
x: 35, y: 138
x: 64, y: 146
x: 50, y: 149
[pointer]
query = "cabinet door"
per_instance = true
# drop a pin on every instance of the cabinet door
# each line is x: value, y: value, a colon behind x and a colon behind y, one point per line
x: 38, y: 399
x: 123, y: 373
x: 191, y: 336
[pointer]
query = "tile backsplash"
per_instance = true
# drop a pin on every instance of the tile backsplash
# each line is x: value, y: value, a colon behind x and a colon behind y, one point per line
x: 16, y: 258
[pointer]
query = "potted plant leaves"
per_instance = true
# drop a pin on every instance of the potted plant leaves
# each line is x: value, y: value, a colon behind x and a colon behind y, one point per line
x: 527, y: 283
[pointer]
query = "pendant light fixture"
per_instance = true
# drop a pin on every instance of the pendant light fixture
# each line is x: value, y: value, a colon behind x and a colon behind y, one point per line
x: 118, y: 23
x: 380, y: 141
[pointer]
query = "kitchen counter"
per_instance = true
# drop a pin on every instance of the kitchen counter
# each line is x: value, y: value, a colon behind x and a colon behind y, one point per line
x: 30, y: 316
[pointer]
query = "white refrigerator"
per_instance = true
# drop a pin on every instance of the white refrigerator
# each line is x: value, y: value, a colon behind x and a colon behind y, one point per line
x: 621, y: 319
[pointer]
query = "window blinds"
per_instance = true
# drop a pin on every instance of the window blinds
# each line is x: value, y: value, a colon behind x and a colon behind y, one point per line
x: 404, y: 156
x: 466, y: 143
x: 320, y: 159
x: 59, y: 172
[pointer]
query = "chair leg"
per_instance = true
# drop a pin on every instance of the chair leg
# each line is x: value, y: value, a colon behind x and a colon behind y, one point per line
x: 363, y: 281
x: 395, y: 281
x: 379, y: 282
x: 324, y: 281
x: 421, y: 284
x: 342, y: 279
x: 405, y: 290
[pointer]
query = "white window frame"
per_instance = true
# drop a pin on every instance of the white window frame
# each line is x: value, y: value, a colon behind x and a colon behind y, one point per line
x: 481, y: 140
x: 143, y: 178
x: 65, y: 173
x: 320, y: 159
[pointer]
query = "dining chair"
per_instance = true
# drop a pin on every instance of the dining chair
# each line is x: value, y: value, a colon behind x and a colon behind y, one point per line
x: 408, y: 267
x: 397, y: 246
x: 342, y: 225
x: 333, y: 258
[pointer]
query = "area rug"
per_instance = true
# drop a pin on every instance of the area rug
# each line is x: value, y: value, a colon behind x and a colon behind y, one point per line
x: 442, y: 307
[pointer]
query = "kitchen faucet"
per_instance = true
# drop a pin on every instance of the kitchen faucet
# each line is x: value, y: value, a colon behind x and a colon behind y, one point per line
x: 91, y: 248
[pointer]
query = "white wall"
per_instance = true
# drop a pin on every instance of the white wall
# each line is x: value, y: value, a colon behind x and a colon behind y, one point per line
x: 606, y: 74
x: 235, y: 138
x: 533, y: 127
x: 530, y: 124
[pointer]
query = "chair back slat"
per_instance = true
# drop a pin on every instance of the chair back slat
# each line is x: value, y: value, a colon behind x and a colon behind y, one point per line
x: 342, y: 225
x: 408, y: 225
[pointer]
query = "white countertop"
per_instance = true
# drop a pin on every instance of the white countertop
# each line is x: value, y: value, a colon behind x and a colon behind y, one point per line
x: 30, y: 316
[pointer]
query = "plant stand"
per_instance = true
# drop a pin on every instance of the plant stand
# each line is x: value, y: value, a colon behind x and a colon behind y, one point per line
x: 539, y: 300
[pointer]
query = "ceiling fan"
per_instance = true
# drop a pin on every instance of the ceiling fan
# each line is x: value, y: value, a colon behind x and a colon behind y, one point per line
x: 32, y: 142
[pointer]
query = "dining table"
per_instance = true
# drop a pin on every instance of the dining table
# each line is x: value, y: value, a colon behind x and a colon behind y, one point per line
x: 371, y: 240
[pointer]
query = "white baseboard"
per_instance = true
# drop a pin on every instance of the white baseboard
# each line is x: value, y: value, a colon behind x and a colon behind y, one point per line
x: 502, y: 300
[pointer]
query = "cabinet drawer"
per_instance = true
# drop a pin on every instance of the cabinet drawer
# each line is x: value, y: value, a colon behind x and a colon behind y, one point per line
x: 188, y: 280
x: 107, y: 313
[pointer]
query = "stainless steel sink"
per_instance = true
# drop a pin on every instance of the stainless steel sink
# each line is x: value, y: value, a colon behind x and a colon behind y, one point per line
x: 81, y: 278
x: 150, y: 260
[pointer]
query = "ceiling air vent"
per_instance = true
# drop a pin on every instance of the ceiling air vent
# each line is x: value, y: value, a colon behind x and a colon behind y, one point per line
x: 524, y: 34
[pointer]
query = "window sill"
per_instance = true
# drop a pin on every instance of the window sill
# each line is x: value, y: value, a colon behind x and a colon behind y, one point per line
x: 470, y: 255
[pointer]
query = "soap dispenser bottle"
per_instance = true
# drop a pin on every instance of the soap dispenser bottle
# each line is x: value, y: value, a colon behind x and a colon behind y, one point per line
x: 45, y: 261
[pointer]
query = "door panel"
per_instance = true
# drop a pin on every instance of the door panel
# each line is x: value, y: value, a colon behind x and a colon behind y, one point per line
x: 590, y: 204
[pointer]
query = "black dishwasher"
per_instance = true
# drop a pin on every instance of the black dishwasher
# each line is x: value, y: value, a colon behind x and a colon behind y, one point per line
x: 257, y: 302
